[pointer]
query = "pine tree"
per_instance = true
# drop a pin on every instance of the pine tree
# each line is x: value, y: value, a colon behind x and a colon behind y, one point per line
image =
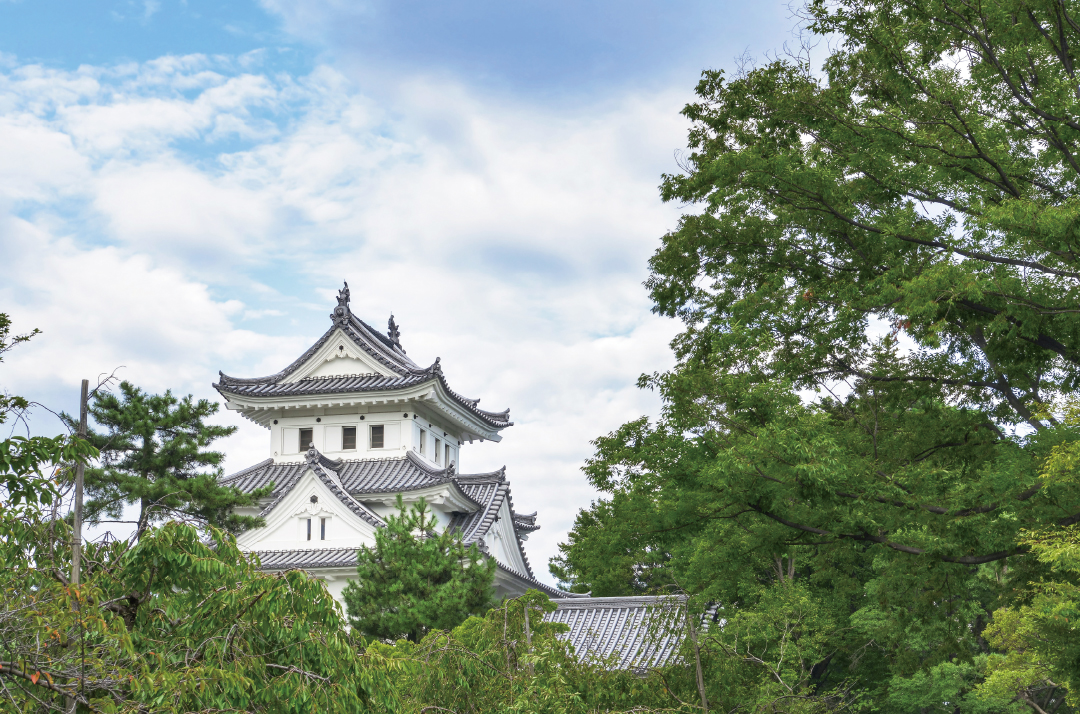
x: 414, y: 580
x: 154, y: 454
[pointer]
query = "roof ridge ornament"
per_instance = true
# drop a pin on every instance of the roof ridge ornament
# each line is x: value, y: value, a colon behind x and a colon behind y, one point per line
x: 341, y: 313
x: 394, y: 333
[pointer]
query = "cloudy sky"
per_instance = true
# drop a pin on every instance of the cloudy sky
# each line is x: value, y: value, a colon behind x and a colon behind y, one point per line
x: 184, y: 185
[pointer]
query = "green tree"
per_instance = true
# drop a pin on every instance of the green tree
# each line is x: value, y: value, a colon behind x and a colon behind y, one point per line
x: 881, y: 297
x: 510, y: 660
x: 415, y: 580
x: 154, y: 454
x: 171, y: 624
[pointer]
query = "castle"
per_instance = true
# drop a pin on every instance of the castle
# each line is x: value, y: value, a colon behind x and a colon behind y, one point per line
x: 354, y: 422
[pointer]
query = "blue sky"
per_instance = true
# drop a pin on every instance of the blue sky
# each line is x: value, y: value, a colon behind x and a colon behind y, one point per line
x: 184, y: 186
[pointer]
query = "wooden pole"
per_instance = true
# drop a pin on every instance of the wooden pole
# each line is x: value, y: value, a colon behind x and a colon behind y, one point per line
x: 76, y: 541
x: 76, y: 526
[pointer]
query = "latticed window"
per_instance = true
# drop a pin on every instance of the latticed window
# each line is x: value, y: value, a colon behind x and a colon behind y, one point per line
x: 348, y: 438
x: 377, y: 436
x: 306, y: 439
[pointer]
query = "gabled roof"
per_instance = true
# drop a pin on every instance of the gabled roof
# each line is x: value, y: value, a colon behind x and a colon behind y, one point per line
x: 259, y: 475
x: 355, y: 479
x: 377, y: 346
x: 491, y: 490
x: 637, y: 632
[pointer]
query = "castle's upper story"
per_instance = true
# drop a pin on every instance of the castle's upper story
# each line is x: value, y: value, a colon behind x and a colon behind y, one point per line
x: 355, y: 394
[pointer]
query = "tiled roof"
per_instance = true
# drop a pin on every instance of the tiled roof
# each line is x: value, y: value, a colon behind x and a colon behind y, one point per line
x: 263, y: 474
x: 324, y: 385
x: 525, y: 523
x: 286, y: 476
x: 532, y: 582
x: 321, y: 466
x: 358, y: 476
x: 490, y: 495
x: 309, y: 558
x: 407, y: 473
x: 376, y: 345
x: 636, y: 632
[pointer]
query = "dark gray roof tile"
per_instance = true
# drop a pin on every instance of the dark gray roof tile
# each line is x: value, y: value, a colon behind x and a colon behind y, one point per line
x: 636, y: 632
x: 309, y: 558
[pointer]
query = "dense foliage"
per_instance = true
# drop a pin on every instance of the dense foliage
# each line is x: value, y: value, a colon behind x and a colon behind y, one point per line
x: 510, y: 660
x: 881, y: 294
x: 154, y: 454
x: 171, y: 624
x: 414, y: 579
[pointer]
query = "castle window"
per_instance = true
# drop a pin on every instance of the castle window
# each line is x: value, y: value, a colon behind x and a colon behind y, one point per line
x: 377, y: 436
x: 306, y: 439
x: 322, y: 529
x: 438, y: 451
x: 348, y: 438
x: 309, y: 529
x: 423, y: 441
x: 447, y: 459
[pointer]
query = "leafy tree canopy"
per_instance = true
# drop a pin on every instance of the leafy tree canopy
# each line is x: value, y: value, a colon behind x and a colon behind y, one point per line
x: 171, y: 624
x: 154, y: 453
x: 882, y: 329
x: 415, y: 580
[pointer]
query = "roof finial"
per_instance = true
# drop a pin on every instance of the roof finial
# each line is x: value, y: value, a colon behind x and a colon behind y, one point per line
x: 341, y: 313
x: 393, y: 332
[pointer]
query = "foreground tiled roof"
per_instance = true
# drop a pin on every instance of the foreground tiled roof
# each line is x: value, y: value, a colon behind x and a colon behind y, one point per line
x: 630, y: 632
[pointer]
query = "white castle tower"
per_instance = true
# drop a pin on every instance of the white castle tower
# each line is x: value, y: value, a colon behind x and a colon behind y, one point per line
x: 353, y: 423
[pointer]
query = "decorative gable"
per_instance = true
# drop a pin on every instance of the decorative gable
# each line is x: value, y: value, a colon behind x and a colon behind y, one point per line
x: 310, y: 503
x: 339, y: 356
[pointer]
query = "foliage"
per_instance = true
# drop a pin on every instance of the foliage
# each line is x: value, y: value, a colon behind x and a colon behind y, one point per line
x: 510, y: 660
x: 171, y: 624
x: 414, y: 580
x: 154, y: 453
x: 1039, y: 636
x: 880, y: 297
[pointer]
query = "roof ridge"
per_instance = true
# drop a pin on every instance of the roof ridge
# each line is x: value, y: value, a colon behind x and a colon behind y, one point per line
x: 531, y: 579
x: 626, y: 600
x: 498, y: 475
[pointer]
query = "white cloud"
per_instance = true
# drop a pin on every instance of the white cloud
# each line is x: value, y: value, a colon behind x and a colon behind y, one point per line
x: 191, y: 214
